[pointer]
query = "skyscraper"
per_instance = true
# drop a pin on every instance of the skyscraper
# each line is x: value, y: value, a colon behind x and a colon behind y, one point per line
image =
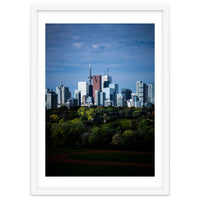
x: 114, y: 86
x: 114, y: 93
x: 96, y: 84
x: 77, y: 95
x: 90, y: 87
x: 120, y: 100
x: 130, y: 103
x: 84, y: 99
x: 151, y: 93
x: 83, y: 87
x: 63, y: 94
x: 90, y: 90
x: 71, y: 102
x: 90, y: 100
x: 97, y: 97
x: 108, y: 93
x: 51, y: 102
x: 142, y: 91
x: 127, y: 93
x: 134, y: 97
x: 106, y: 80
x: 46, y: 92
x: 108, y: 103
x: 102, y: 98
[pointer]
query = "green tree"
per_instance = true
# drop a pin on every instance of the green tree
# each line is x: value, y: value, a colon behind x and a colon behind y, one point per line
x: 146, y: 128
x: 106, y: 134
x: 82, y: 112
x: 136, y: 114
x: 121, y: 113
x: 95, y: 137
x: 128, y: 139
x: 73, y: 131
x: 116, y: 139
x: 128, y: 113
x: 54, y: 118
x: 56, y: 135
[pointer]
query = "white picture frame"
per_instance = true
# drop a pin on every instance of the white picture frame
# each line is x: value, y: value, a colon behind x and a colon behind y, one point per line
x: 41, y: 14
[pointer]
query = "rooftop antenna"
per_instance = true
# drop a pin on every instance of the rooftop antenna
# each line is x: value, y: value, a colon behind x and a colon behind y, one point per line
x: 89, y: 63
x: 108, y: 71
x: 90, y: 75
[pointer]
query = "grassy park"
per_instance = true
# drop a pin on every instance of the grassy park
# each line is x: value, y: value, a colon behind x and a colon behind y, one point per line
x: 101, y: 141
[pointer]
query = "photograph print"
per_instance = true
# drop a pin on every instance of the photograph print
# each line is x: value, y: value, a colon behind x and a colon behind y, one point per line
x: 100, y: 100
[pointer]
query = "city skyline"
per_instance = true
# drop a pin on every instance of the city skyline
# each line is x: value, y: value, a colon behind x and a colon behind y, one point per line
x: 106, y: 96
x: 126, y: 49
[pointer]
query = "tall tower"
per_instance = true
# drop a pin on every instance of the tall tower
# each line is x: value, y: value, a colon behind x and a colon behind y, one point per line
x: 106, y: 79
x: 90, y: 75
x: 151, y: 93
x: 83, y: 87
x: 90, y: 81
x: 63, y: 94
x: 51, y: 102
x: 96, y: 84
x: 142, y: 91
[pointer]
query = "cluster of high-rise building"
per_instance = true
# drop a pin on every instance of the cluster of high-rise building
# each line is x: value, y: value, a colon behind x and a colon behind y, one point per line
x: 100, y: 91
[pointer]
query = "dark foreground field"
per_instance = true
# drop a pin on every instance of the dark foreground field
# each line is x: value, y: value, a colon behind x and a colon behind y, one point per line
x: 100, y: 141
x: 100, y: 163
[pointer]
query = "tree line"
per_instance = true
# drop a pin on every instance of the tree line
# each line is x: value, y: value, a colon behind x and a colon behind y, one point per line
x: 102, y: 127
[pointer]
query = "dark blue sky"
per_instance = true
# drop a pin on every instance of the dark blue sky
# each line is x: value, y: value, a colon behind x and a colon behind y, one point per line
x: 126, y: 49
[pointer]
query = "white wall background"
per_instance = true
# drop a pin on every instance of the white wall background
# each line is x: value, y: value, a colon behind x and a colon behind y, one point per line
x: 15, y: 99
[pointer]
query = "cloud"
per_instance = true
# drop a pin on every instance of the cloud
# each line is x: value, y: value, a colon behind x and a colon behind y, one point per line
x: 95, y: 46
x: 75, y: 37
x: 106, y: 45
x: 78, y: 44
x: 100, y: 45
